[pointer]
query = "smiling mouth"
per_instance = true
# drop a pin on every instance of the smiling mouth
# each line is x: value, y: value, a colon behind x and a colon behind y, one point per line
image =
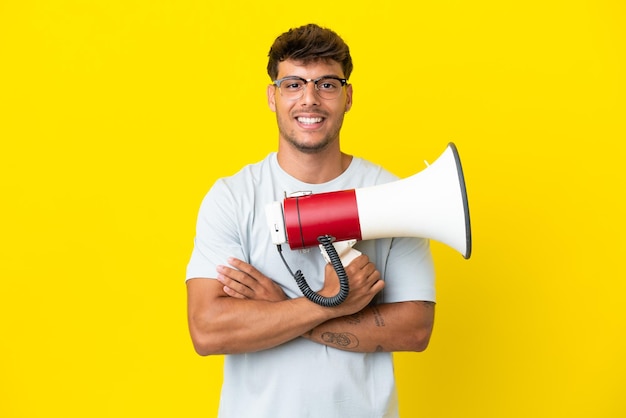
x: 309, y: 121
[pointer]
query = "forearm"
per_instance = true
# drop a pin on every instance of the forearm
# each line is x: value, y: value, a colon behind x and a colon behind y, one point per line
x: 244, y: 326
x: 225, y: 325
x: 404, y: 326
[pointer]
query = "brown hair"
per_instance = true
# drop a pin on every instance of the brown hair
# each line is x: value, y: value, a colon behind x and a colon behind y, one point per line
x: 309, y: 43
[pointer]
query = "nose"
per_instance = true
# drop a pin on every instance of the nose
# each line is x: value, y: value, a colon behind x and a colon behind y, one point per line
x: 309, y: 95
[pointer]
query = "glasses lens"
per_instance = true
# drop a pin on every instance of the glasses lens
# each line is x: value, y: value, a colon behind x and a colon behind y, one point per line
x: 292, y: 87
x: 329, y: 88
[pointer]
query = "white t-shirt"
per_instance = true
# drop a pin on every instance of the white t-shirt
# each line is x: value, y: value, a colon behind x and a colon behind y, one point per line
x: 301, y: 378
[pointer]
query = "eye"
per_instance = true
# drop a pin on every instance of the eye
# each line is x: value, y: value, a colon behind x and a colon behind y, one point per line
x: 328, y: 84
x: 292, y: 84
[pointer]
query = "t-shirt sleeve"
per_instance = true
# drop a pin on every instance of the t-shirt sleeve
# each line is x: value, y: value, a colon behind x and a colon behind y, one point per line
x: 217, y: 233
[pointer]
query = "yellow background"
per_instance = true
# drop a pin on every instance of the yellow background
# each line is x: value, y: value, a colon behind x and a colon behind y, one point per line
x: 117, y: 116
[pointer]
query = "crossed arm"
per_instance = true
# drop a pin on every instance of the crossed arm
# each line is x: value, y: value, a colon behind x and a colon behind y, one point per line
x: 244, y: 311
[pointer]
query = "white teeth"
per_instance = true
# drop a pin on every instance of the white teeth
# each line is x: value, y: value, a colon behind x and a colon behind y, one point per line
x: 309, y: 121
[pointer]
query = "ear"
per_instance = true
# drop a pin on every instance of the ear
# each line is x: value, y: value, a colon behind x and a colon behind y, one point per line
x: 348, y: 97
x: 271, y: 97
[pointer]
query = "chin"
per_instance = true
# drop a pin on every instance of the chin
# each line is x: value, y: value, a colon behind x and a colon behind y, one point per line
x: 306, y: 149
x: 309, y: 147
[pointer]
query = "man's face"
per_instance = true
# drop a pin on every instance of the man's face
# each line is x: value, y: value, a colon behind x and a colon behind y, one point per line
x: 309, y: 123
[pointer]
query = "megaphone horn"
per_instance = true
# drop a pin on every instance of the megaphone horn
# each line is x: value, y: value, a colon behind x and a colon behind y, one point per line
x: 430, y: 204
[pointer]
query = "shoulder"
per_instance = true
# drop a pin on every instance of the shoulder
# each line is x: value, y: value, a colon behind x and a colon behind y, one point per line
x: 251, y: 173
x: 246, y: 179
x: 238, y: 190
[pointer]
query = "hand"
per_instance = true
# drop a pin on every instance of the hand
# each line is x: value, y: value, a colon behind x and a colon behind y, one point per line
x: 246, y: 282
x: 364, y: 281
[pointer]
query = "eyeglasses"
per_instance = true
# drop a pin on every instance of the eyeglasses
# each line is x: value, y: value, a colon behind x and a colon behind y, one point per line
x: 328, y: 87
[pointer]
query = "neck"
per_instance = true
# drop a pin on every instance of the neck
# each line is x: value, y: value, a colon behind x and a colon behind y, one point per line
x: 314, y: 168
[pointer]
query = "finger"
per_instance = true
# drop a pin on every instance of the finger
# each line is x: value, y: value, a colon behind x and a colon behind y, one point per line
x: 378, y: 286
x: 235, y: 285
x: 369, y: 269
x: 230, y: 292
x: 236, y: 275
x: 245, y: 267
x: 358, y: 264
x: 363, y: 273
x: 375, y: 277
x: 359, y: 261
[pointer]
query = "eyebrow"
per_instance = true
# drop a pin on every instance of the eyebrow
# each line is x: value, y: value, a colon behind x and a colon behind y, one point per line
x: 322, y: 76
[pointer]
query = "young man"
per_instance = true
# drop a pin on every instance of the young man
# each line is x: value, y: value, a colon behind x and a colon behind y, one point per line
x: 287, y: 356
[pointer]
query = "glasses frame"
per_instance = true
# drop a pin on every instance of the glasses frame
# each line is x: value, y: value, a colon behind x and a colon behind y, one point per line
x: 277, y: 83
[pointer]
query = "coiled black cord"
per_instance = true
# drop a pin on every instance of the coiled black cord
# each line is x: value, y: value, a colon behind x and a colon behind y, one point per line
x: 344, y: 287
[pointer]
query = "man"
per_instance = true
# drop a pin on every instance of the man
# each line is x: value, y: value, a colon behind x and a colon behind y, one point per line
x: 287, y: 356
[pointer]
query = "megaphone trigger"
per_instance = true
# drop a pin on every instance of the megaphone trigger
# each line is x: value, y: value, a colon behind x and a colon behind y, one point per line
x: 345, y: 251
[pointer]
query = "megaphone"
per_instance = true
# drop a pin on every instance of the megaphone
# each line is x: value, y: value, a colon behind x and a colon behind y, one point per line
x: 431, y: 204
